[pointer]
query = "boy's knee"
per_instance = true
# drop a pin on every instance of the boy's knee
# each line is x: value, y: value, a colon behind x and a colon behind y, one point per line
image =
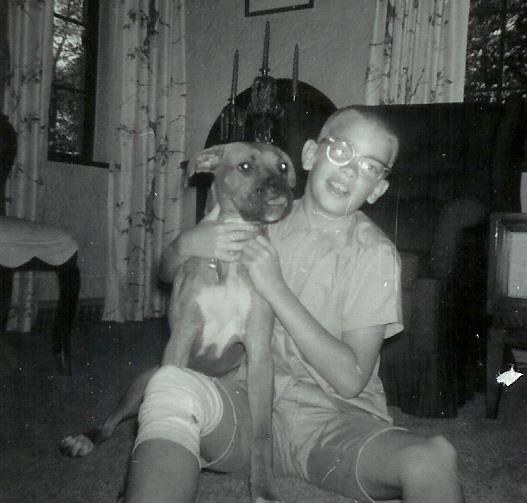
x: 179, y: 405
x: 183, y: 393
x: 433, y: 457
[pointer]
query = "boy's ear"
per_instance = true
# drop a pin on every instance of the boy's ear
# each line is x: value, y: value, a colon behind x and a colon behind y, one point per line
x: 378, y: 191
x: 308, y: 154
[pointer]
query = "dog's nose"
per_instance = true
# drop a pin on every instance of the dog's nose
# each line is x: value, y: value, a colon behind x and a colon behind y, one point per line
x: 274, y: 184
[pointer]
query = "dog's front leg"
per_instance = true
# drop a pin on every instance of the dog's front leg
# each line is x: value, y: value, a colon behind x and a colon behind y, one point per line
x: 260, y: 390
x: 184, y: 317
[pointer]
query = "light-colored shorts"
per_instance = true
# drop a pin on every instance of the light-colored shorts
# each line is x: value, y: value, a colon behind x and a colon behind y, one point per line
x: 320, y: 445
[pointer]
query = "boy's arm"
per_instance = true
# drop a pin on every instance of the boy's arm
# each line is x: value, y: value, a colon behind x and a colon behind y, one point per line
x: 209, y: 239
x: 346, y: 364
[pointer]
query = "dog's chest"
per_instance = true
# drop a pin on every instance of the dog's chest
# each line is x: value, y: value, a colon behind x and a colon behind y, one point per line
x: 224, y: 308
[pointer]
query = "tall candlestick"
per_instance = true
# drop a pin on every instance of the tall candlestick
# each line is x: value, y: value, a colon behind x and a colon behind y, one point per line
x: 265, y: 62
x: 295, y: 73
x: 234, y: 84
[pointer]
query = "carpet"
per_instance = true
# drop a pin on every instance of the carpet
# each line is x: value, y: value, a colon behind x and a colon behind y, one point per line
x: 39, y: 407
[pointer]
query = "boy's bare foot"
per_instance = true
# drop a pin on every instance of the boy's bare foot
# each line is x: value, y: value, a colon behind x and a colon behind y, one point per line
x: 82, y: 444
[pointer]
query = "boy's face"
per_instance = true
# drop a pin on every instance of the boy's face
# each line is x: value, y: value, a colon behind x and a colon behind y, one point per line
x: 339, y: 183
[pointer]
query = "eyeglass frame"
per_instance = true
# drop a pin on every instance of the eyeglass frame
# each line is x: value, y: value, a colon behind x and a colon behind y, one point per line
x: 362, y: 161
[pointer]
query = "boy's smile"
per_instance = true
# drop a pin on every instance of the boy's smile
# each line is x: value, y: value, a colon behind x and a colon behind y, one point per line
x: 347, y: 165
x: 338, y: 188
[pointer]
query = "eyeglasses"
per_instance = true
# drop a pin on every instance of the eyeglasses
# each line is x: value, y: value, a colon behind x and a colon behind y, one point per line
x: 341, y: 153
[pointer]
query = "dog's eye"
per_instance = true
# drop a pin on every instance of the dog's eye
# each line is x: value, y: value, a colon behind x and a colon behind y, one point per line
x: 283, y: 167
x: 245, y: 166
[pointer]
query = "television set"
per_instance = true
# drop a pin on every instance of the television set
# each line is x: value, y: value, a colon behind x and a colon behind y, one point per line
x: 507, y: 268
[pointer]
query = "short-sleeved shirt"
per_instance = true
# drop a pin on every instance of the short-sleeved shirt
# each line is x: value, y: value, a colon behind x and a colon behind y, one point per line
x: 347, y: 275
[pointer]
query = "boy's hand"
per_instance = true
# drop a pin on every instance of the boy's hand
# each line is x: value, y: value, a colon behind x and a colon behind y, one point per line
x: 263, y: 265
x: 223, y: 241
x: 209, y: 239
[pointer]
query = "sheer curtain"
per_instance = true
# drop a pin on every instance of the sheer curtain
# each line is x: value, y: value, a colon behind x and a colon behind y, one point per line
x: 145, y: 180
x: 26, y: 103
x: 418, y: 52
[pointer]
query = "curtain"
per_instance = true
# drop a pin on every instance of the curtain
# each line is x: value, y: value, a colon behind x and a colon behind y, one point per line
x: 26, y: 102
x: 145, y: 188
x: 417, y: 52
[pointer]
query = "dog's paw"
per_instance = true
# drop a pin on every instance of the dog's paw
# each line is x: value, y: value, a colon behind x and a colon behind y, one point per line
x: 82, y: 444
x: 76, y: 446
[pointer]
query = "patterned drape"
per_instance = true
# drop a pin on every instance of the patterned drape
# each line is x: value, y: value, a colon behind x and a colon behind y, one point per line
x: 145, y: 180
x: 417, y: 52
x: 26, y: 102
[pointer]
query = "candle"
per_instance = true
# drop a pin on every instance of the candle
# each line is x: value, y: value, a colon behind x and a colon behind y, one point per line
x: 295, y: 73
x: 234, y: 84
x: 265, y: 63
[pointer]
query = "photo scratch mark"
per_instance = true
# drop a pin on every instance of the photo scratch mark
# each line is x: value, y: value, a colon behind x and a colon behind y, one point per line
x: 508, y: 377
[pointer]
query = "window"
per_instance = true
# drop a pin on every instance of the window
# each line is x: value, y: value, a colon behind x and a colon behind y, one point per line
x: 496, y: 50
x: 72, y: 105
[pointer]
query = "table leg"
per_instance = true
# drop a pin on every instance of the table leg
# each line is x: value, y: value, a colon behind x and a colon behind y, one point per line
x: 6, y: 287
x: 68, y: 275
x: 495, y: 348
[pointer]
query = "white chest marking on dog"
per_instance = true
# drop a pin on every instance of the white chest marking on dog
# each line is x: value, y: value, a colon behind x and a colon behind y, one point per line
x: 224, y: 309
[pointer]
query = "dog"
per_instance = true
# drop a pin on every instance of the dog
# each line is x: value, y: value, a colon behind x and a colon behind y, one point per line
x: 214, y: 310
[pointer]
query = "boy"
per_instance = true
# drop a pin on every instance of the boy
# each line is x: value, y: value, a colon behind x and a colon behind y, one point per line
x: 332, y: 280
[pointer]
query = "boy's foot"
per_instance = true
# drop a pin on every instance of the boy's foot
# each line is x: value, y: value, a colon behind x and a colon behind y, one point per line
x: 82, y: 444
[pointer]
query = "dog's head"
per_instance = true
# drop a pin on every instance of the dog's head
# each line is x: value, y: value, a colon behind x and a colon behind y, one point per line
x: 252, y: 180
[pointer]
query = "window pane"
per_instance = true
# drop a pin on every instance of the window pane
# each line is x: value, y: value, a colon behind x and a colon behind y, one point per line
x: 71, y: 8
x: 69, y: 54
x: 483, y: 53
x: 515, y: 5
x: 479, y: 7
x: 515, y: 55
x: 496, y: 50
x: 66, y: 127
x: 71, y: 112
x: 506, y: 93
x: 483, y: 96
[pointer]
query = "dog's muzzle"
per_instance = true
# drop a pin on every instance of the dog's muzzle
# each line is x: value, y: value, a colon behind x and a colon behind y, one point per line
x: 269, y: 202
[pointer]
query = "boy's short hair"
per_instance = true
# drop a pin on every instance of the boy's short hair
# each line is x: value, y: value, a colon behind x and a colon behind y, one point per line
x: 369, y: 113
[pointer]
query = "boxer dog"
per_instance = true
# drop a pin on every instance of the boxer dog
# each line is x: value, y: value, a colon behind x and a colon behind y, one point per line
x: 215, y: 315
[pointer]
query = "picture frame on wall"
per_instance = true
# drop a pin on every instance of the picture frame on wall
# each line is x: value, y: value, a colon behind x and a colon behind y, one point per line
x: 261, y: 7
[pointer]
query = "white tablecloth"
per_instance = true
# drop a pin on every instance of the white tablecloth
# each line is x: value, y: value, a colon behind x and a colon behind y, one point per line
x: 21, y: 240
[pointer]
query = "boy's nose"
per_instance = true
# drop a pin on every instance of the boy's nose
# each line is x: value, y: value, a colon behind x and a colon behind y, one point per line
x: 350, y: 169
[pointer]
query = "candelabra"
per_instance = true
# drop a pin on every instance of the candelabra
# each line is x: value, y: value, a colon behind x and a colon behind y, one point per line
x: 263, y: 120
x: 264, y: 111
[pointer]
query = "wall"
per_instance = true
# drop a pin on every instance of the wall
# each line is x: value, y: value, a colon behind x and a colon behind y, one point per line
x: 74, y: 199
x: 333, y: 39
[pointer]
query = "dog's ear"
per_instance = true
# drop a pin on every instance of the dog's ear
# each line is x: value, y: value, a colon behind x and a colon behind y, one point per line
x: 206, y: 160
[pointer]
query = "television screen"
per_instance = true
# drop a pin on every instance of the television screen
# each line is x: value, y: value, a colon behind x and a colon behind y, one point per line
x: 517, y: 280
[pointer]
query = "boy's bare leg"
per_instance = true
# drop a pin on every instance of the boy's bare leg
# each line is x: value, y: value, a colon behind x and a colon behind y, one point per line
x: 399, y: 464
x: 128, y: 406
x: 162, y: 471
